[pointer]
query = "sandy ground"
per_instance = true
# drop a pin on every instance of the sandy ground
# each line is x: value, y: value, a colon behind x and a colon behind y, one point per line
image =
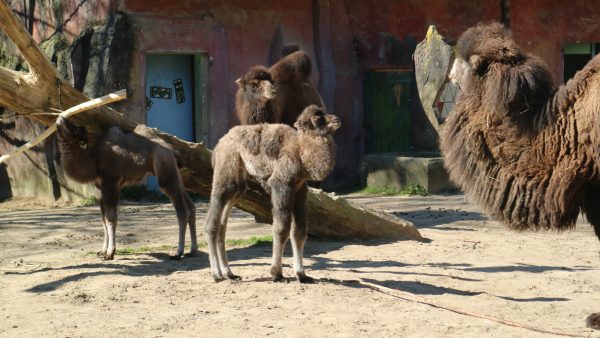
x: 50, y: 284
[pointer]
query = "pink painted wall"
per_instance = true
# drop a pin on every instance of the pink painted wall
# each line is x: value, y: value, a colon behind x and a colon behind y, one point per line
x: 543, y: 27
x: 239, y: 34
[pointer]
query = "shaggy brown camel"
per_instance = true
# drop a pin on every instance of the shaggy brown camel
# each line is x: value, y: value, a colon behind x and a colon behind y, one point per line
x: 529, y: 154
x: 281, y: 159
x: 257, y: 101
x: 117, y: 159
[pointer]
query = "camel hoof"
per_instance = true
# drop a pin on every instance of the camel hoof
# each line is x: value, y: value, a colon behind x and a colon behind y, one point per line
x: 593, y: 321
x: 101, y: 254
x: 192, y: 253
x: 108, y: 258
x: 278, y: 278
x: 218, y: 278
x: 233, y: 277
x: 176, y: 257
x: 304, y: 279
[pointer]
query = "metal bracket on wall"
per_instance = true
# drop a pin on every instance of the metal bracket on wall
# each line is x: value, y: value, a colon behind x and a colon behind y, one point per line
x: 161, y: 92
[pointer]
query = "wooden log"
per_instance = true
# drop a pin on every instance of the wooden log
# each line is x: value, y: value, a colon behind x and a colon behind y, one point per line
x: 42, y: 91
x: 117, y: 96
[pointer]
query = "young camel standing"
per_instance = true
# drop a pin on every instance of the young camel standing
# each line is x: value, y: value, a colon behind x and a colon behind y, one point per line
x: 281, y: 159
x: 117, y: 159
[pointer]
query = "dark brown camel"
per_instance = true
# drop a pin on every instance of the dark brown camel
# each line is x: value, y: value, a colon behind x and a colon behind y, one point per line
x: 117, y: 159
x: 257, y: 102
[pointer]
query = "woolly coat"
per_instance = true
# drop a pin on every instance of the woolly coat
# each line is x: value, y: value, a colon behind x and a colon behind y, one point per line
x: 529, y: 154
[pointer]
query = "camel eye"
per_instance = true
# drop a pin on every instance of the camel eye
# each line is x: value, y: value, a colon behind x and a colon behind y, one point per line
x: 318, y: 120
x: 82, y: 145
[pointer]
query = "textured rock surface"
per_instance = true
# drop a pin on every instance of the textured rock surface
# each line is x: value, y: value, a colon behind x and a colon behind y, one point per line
x: 433, y: 58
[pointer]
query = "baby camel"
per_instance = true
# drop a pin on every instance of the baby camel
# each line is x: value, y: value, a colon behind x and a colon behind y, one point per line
x: 281, y: 159
x: 117, y: 159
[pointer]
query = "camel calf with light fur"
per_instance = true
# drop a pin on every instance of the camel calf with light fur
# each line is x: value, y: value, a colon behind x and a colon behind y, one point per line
x: 282, y: 160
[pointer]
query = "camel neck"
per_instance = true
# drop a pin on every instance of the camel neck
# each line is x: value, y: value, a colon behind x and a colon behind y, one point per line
x: 317, y: 154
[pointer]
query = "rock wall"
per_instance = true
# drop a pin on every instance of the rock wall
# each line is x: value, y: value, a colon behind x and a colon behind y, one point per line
x: 91, y: 52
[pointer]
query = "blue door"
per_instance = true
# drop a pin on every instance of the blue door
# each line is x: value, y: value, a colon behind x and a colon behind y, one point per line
x: 169, y: 97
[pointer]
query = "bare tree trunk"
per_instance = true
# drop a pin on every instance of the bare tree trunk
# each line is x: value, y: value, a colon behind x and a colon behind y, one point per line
x: 41, y: 89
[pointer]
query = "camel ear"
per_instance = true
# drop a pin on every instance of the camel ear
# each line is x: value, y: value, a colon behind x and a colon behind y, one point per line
x: 239, y: 82
x: 476, y: 63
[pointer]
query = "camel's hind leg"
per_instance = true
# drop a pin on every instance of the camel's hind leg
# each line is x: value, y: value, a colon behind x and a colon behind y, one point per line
x: 192, y: 224
x: 299, y: 234
x: 281, y: 198
x: 228, y: 183
x: 212, y: 228
x: 171, y: 184
x: 221, y: 242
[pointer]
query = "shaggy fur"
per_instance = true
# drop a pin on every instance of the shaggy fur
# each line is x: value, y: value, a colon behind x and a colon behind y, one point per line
x: 117, y: 159
x: 527, y: 152
x: 294, y: 88
x: 281, y: 159
x: 253, y: 100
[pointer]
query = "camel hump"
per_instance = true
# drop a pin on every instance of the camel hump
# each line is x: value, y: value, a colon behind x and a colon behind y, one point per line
x: 295, y: 66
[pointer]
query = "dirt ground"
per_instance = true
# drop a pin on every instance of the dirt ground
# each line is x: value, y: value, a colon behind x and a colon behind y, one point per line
x: 51, y: 284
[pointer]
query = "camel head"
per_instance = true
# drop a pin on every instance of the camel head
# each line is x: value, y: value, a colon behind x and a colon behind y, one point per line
x: 257, y: 84
x: 482, y: 47
x: 72, y: 134
x: 490, y: 65
x: 314, y: 120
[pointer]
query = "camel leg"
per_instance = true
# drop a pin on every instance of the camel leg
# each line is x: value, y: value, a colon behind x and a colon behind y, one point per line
x: 281, y: 197
x: 191, y: 223
x: 110, y: 200
x: 212, y: 229
x: 221, y: 242
x: 299, y: 234
x: 171, y: 185
x: 102, y: 252
x: 181, y: 209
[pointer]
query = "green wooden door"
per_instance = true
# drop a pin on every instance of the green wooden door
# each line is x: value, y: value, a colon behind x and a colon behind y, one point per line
x: 387, y: 110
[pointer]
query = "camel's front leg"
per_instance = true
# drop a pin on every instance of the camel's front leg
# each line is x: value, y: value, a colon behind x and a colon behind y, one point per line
x: 102, y: 253
x: 110, y: 199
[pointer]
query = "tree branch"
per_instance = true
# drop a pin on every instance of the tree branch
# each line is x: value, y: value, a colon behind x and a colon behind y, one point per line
x: 39, y: 65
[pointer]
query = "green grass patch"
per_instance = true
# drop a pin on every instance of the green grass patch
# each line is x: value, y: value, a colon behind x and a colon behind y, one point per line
x: 410, y: 190
x: 88, y: 202
x: 414, y: 190
x: 254, y: 240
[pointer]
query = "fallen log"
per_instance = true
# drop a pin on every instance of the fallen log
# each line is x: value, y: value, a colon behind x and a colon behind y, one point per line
x: 42, y: 90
